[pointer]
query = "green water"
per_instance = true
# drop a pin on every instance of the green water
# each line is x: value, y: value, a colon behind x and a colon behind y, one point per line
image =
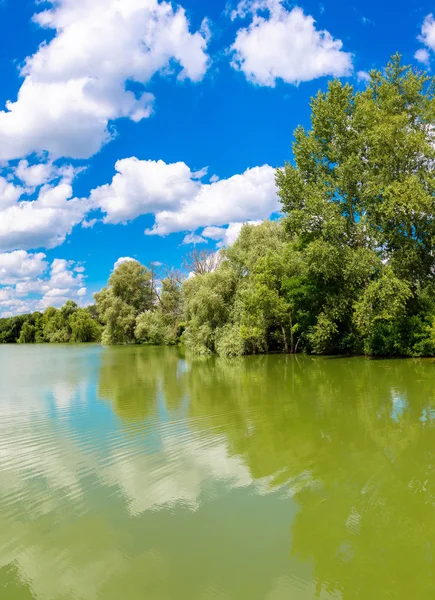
x: 140, y: 473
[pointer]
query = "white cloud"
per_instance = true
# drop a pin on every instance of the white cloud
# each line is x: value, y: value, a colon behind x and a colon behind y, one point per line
x: 226, y: 236
x: 122, y: 260
x: 285, y: 46
x: 363, y: 76
x: 428, y: 32
x: 181, y: 202
x: 76, y: 83
x: 426, y: 37
x: 34, y: 175
x: 9, y: 193
x: 249, y: 196
x: 30, y: 284
x: 45, y: 220
x: 192, y: 238
x: 89, y: 224
x: 63, y: 276
x: 144, y: 186
x: 21, y: 266
x: 37, y: 174
x: 423, y: 56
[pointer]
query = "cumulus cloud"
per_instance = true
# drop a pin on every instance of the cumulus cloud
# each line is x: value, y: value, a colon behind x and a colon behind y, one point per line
x: 192, y: 238
x: 122, y: 260
x: 423, y: 56
x: 21, y: 266
x: 426, y: 37
x: 180, y: 201
x: 45, y: 220
x: 41, y: 223
x: 38, y: 210
x: 76, y: 83
x: 144, y: 186
x: 284, y: 45
x: 29, y: 283
x: 226, y: 236
x: 89, y: 224
x: 37, y: 174
x: 363, y: 76
x: 9, y: 193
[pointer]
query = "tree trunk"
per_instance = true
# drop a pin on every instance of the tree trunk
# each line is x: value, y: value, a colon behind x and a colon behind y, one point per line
x: 292, y: 341
x: 284, y: 335
x: 296, y: 347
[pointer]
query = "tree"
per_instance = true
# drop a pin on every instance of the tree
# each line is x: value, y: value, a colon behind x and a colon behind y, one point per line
x: 83, y: 327
x: 242, y: 307
x: 200, y: 262
x: 56, y: 328
x: 359, y: 197
x: 68, y: 309
x: 27, y: 334
x: 10, y: 329
x: 163, y: 324
x: 128, y: 294
x: 208, y: 302
x: 131, y: 282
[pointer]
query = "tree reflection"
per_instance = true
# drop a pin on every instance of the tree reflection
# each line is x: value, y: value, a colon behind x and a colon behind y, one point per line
x: 352, y: 441
x: 133, y: 378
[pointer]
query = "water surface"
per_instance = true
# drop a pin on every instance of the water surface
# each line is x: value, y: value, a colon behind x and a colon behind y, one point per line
x: 140, y: 473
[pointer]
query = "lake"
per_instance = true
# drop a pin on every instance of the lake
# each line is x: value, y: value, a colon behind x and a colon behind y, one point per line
x: 142, y: 473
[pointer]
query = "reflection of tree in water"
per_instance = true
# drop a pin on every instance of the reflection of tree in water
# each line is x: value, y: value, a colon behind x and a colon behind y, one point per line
x: 132, y: 377
x: 353, y: 441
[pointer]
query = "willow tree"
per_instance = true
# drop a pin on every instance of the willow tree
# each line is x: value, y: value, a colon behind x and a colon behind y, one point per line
x: 128, y: 294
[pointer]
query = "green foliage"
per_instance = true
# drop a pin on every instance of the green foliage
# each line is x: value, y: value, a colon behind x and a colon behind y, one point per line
x: 55, y: 326
x: 69, y: 324
x: 32, y: 329
x: 359, y: 200
x: 119, y: 319
x: 379, y: 311
x: 10, y: 329
x: 162, y: 325
x: 128, y: 294
x: 83, y: 327
x: 131, y: 283
x: 27, y: 334
x: 208, y: 300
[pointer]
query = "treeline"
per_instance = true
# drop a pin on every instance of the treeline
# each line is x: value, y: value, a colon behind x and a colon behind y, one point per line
x: 348, y: 269
x: 68, y: 324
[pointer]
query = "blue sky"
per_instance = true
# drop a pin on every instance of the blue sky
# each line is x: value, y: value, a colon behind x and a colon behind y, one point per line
x: 130, y: 128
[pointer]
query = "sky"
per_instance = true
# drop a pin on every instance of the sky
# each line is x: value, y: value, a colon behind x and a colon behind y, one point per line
x: 143, y: 128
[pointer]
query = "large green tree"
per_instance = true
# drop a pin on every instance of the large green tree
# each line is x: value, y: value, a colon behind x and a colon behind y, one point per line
x: 128, y: 294
x: 162, y: 325
x: 359, y: 197
x: 83, y: 327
